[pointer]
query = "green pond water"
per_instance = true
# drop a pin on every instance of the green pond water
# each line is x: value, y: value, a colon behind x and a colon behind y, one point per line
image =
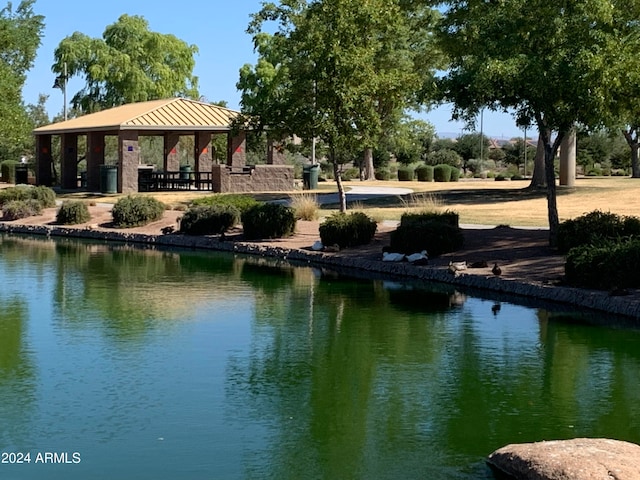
x: 124, y: 363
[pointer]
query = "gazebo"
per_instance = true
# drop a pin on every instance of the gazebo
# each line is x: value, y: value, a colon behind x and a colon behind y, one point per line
x: 169, y: 118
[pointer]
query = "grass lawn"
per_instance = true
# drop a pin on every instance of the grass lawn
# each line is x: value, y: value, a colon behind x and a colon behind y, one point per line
x: 476, y: 201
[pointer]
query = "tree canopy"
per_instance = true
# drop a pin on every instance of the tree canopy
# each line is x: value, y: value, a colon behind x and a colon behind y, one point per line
x: 20, y: 35
x: 129, y: 64
x: 556, y: 64
x: 341, y: 71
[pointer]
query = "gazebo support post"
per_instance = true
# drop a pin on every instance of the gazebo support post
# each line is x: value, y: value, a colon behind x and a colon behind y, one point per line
x: 129, y: 159
x: 44, y: 161
x: 95, y: 158
x: 171, y: 152
x: 69, y: 164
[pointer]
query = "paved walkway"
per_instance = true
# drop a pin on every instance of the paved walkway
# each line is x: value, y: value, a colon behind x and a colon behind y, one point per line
x: 359, y: 193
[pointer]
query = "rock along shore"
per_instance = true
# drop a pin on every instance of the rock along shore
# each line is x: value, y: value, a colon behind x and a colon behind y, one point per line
x: 628, y: 306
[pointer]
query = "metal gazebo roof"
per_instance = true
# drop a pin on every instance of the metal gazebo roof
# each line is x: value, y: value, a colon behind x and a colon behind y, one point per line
x: 172, y: 114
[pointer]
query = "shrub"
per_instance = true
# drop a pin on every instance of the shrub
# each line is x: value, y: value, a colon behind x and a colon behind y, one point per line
x: 268, y: 220
x: 44, y: 195
x: 445, y: 156
x: 605, y: 266
x: 594, y: 227
x: 383, y: 174
x: 209, y: 219
x: 73, y: 212
x: 241, y: 202
x: 347, y: 230
x: 405, y: 174
x: 305, y: 206
x: 136, y: 210
x: 455, y: 174
x: 447, y: 217
x: 16, y: 209
x: 350, y: 174
x: 442, y: 173
x: 435, y: 237
x: 424, y: 173
x: 501, y: 177
x: 517, y: 176
x: 8, y: 170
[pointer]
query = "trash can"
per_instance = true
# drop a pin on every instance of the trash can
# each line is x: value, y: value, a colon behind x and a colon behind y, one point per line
x: 108, y: 179
x: 185, y: 172
x: 310, y: 176
x: 22, y: 174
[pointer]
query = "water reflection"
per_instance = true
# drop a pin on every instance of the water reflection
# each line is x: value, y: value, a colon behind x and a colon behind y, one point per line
x: 249, y: 368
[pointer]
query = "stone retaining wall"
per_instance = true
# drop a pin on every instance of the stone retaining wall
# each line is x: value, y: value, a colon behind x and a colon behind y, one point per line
x: 582, y: 298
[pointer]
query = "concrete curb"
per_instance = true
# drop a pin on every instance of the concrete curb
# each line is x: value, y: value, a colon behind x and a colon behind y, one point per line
x: 590, y: 299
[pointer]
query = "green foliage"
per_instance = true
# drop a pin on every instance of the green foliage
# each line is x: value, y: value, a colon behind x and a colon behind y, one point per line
x: 359, y: 64
x: 424, y: 173
x: 411, y: 140
x: 20, y: 38
x: 405, y: 174
x: 444, y: 156
x: 45, y: 196
x: 73, y: 212
x: 435, y: 237
x: 129, y: 64
x: 435, y: 232
x: 17, y: 209
x: 551, y: 78
x: 268, y: 220
x: 8, y: 169
x: 383, y: 174
x: 609, y: 264
x: 209, y: 219
x: 347, y: 229
x: 241, y: 202
x: 442, y: 173
x: 455, y: 174
x: 447, y: 217
x: 350, y: 174
x: 136, y: 210
x: 594, y: 227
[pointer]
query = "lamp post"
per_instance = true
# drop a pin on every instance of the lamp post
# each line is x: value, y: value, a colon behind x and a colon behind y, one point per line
x: 61, y: 83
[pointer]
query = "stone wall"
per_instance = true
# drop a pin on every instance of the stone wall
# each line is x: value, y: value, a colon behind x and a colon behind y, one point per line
x: 258, y: 178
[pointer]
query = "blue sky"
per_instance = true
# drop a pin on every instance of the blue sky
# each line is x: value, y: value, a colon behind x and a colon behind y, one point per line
x: 217, y: 28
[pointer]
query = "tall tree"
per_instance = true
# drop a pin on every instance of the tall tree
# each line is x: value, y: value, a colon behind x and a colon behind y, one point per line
x: 338, y: 70
x: 129, y: 64
x: 20, y: 36
x: 553, y: 63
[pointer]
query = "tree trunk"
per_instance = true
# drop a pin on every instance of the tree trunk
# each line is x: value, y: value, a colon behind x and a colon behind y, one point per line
x: 369, y: 170
x: 552, y: 206
x: 632, y: 141
x: 341, y: 193
x: 538, y: 177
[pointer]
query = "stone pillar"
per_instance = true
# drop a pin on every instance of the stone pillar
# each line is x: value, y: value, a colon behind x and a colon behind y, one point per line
x: 275, y: 153
x: 69, y: 161
x: 95, y: 158
x: 203, y: 153
x: 237, y: 149
x: 44, y: 161
x: 171, y: 156
x: 129, y: 159
x: 568, y: 159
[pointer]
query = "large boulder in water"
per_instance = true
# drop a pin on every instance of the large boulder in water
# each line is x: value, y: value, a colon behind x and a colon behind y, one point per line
x: 576, y: 459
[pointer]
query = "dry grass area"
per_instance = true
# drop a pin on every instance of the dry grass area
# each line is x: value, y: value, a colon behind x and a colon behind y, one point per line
x: 476, y: 201
x: 512, y: 203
